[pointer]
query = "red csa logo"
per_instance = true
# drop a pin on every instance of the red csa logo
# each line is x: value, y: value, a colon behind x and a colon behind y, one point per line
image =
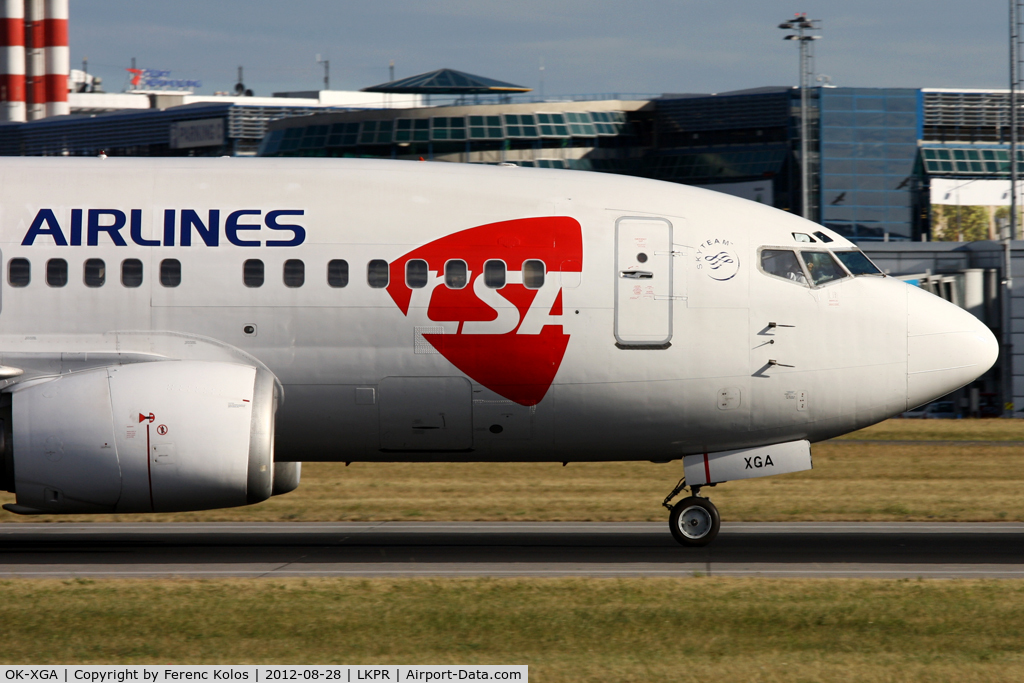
x: 507, y: 338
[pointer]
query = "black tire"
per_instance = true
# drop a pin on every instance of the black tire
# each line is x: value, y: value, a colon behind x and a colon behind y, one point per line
x: 694, y: 522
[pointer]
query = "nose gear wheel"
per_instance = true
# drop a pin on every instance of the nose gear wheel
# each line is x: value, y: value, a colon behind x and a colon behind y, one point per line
x: 694, y: 521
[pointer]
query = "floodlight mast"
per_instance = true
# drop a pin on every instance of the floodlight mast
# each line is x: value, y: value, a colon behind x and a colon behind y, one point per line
x: 1010, y: 234
x: 800, y: 24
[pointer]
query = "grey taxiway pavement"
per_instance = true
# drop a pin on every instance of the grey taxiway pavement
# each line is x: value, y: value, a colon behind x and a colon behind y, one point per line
x: 811, y: 549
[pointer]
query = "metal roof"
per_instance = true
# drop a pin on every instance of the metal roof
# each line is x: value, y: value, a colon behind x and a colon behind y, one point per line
x: 766, y: 90
x: 446, y: 82
x: 130, y: 128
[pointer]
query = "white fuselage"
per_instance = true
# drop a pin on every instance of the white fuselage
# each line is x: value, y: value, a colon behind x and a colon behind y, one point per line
x: 655, y: 331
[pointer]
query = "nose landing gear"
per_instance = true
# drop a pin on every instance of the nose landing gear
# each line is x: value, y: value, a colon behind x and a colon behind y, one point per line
x: 693, y: 521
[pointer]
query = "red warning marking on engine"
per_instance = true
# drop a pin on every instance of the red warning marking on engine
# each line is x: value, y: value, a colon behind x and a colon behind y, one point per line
x: 151, y: 417
x: 161, y: 430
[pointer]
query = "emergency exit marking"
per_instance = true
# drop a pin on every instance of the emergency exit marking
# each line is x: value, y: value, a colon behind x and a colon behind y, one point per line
x: 161, y: 430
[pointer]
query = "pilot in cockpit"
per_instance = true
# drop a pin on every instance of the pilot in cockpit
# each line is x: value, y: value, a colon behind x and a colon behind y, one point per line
x: 783, y: 263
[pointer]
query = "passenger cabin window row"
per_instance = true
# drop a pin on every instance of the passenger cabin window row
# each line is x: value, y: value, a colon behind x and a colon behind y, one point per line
x: 94, y: 272
x: 456, y: 274
x: 417, y: 273
x: 294, y: 273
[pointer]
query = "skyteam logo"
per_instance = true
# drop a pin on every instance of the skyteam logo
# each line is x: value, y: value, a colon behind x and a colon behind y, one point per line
x: 722, y: 258
x: 718, y: 258
x: 500, y: 319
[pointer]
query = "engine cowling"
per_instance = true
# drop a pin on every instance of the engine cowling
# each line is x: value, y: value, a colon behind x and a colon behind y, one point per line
x: 163, y: 436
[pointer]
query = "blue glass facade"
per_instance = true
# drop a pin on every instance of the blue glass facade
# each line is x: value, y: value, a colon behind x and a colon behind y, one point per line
x: 728, y: 138
x: 862, y: 144
x: 868, y: 150
x: 872, y: 151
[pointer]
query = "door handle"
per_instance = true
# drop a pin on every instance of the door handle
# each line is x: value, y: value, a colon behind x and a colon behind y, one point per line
x: 637, y: 274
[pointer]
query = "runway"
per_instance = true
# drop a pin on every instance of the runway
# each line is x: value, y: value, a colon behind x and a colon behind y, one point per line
x: 500, y: 549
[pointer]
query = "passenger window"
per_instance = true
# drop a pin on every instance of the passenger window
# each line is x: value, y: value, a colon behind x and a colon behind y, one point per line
x: 782, y: 263
x: 56, y: 272
x: 95, y: 272
x: 416, y: 273
x: 170, y: 272
x: 822, y: 267
x: 294, y: 273
x: 252, y: 273
x: 455, y: 274
x: 494, y: 274
x: 131, y: 272
x: 377, y: 273
x: 337, y: 273
x: 533, y: 274
x: 19, y: 272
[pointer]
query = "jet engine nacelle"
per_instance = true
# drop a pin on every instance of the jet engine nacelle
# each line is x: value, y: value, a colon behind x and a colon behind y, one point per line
x: 164, y: 436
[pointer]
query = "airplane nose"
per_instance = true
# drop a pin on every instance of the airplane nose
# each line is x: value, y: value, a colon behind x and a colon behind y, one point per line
x: 947, y: 347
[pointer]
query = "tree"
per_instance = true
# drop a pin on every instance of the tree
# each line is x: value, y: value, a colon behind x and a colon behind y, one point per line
x: 959, y: 223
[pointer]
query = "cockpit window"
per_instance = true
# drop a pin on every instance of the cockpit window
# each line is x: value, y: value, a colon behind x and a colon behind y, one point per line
x: 857, y: 263
x: 782, y: 263
x: 822, y: 267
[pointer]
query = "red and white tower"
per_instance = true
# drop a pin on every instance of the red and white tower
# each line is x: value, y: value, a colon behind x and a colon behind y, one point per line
x: 12, y: 60
x: 56, y: 56
x: 35, y: 60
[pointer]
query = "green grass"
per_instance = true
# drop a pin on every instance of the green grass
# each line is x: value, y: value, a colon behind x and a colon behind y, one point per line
x: 697, y: 629
x: 943, y: 430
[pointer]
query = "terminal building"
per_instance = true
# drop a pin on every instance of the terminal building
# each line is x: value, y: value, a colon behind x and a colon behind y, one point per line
x: 170, y: 123
x: 879, y: 158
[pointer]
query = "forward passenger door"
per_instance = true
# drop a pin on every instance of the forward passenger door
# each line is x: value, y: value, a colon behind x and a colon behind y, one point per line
x: 643, y: 282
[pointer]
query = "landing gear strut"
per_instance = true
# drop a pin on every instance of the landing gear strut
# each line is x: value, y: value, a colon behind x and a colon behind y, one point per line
x: 693, y: 521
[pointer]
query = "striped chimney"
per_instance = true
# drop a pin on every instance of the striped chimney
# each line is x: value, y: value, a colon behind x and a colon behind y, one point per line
x: 12, y: 60
x: 35, y: 61
x: 57, y: 57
